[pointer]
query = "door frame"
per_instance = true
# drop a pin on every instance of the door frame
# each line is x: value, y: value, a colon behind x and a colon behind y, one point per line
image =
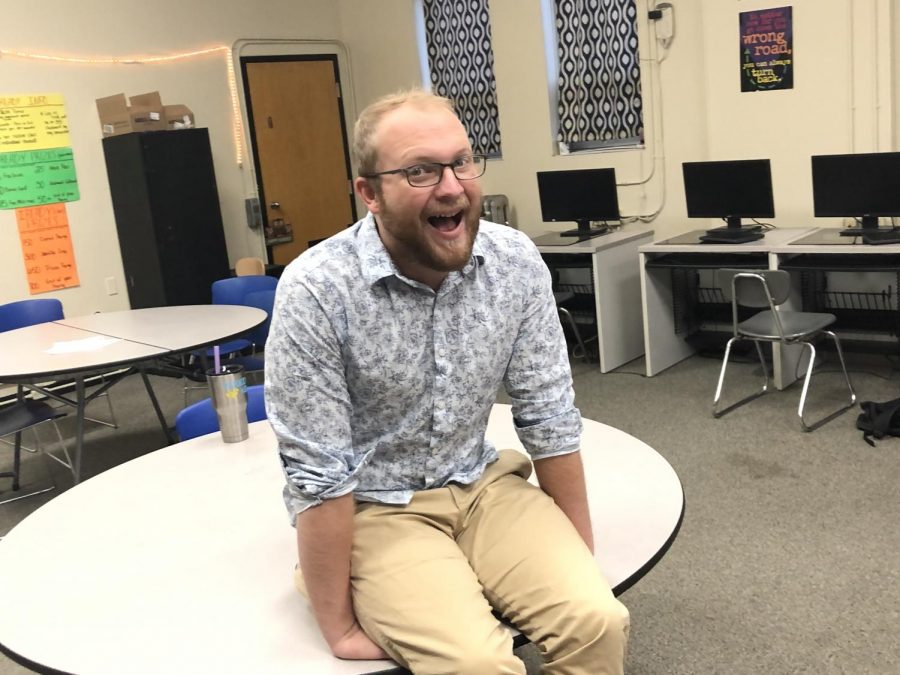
x: 261, y: 50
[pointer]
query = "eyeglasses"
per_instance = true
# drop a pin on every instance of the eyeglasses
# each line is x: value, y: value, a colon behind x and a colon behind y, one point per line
x: 428, y: 174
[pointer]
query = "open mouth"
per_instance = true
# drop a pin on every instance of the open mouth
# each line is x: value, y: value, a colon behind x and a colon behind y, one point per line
x: 446, y: 222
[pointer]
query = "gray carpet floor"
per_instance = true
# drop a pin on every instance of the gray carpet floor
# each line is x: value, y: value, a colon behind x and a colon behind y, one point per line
x: 788, y: 560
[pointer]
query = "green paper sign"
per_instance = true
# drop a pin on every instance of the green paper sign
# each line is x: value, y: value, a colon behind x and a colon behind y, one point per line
x: 36, y: 177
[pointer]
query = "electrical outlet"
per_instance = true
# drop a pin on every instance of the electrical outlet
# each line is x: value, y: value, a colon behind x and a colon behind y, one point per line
x: 111, y: 288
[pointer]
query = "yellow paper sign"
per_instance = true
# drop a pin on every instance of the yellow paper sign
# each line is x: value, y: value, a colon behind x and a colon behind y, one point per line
x: 33, y: 122
x: 47, y: 248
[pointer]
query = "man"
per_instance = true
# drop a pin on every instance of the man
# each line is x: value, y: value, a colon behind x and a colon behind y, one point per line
x: 388, y: 344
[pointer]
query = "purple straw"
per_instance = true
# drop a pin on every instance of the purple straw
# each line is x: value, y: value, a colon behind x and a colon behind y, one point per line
x: 216, y: 359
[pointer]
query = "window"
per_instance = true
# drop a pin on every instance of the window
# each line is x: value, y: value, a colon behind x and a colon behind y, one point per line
x: 595, y: 73
x: 458, y: 62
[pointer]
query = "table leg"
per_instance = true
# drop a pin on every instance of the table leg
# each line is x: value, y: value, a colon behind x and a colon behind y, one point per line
x: 80, y: 404
x: 159, y: 415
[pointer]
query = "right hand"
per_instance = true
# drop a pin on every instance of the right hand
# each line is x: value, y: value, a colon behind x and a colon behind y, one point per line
x: 356, y: 645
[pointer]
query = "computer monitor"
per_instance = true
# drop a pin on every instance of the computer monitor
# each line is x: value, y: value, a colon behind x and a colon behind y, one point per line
x: 730, y: 190
x: 580, y: 195
x: 864, y: 186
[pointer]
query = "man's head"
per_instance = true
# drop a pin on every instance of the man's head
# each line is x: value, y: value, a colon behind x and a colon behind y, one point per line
x: 428, y: 230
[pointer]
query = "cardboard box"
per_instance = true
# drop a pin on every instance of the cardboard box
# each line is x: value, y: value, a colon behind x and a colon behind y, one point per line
x: 144, y: 114
x: 178, y: 116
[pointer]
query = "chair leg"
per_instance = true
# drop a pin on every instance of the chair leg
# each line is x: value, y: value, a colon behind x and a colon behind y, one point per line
x: 809, y: 368
x: 762, y: 362
x: 577, y: 333
x: 15, y: 473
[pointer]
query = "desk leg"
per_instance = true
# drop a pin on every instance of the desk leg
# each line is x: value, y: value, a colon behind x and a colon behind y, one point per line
x: 662, y: 346
x: 159, y: 415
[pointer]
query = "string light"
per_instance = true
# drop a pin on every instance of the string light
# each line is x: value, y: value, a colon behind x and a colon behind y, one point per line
x: 236, y: 123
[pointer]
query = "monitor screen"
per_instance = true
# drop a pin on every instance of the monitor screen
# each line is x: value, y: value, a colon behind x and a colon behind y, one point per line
x: 862, y: 186
x: 729, y: 189
x: 579, y: 195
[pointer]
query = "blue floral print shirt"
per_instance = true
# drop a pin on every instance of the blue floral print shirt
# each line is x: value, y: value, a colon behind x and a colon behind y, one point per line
x: 380, y: 386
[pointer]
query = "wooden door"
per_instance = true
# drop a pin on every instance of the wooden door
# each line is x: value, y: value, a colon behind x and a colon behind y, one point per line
x: 300, y: 149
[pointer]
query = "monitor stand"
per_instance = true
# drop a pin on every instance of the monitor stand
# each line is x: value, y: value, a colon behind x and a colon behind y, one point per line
x: 871, y: 233
x: 583, y: 232
x: 733, y: 233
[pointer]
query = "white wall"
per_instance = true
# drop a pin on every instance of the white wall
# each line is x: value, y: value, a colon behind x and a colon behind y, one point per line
x: 127, y: 28
x: 841, y: 100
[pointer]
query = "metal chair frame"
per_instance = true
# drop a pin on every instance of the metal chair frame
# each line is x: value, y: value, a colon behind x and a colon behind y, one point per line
x: 745, y: 330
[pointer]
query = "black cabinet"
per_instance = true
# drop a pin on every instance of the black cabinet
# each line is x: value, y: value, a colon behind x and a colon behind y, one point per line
x: 167, y: 213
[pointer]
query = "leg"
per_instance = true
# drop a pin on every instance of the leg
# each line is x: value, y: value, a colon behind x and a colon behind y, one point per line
x: 416, y: 596
x: 538, y: 573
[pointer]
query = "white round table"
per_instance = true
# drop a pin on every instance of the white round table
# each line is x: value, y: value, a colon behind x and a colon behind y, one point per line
x: 181, y: 561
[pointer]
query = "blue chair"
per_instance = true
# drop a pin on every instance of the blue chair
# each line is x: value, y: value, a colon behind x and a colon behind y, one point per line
x: 200, y: 418
x: 29, y: 312
x: 27, y: 414
x: 253, y: 290
x: 234, y: 291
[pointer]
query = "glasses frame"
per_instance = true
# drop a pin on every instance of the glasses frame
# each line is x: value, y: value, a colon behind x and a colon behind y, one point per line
x: 443, y: 165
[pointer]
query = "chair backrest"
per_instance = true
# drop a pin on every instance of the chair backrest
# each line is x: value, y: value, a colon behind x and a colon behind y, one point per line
x: 233, y: 290
x: 495, y: 208
x: 754, y: 288
x: 263, y: 300
x: 29, y: 312
x: 249, y: 266
x: 200, y: 418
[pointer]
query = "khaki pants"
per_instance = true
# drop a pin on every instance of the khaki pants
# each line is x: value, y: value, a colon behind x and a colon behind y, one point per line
x: 425, y: 577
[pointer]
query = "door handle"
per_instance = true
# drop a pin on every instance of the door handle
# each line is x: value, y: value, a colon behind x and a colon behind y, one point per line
x: 275, y: 205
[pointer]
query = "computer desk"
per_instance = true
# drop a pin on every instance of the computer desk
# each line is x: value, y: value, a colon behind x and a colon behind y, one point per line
x: 615, y: 279
x: 664, y: 345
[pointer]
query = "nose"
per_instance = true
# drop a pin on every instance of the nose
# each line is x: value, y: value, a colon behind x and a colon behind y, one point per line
x: 450, y: 184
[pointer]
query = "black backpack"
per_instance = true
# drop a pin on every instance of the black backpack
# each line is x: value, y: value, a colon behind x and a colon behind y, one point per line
x: 878, y: 420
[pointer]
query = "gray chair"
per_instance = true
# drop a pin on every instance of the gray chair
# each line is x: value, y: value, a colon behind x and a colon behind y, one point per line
x: 495, y: 208
x: 579, y: 351
x: 766, y: 289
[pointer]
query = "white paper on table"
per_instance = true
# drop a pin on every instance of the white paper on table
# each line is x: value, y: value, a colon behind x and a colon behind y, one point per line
x: 91, y: 344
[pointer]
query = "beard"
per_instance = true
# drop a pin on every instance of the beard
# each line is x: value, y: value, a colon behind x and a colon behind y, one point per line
x: 414, y: 244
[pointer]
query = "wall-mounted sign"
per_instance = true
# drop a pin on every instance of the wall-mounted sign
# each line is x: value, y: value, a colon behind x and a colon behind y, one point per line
x: 37, y: 177
x: 767, y: 49
x: 47, y: 248
x: 33, y: 122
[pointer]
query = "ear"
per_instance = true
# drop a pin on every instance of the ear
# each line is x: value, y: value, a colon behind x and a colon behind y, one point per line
x: 365, y: 188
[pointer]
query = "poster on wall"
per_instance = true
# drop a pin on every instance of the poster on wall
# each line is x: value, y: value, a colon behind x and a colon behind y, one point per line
x: 767, y: 49
x: 35, y: 177
x: 33, y: 122
x: 47, y: 248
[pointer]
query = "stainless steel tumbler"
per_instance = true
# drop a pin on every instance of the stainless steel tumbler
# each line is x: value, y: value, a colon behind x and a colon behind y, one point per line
x: 228, y: 389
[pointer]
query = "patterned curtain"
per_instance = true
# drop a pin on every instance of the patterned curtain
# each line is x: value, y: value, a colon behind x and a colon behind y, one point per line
x: 461, y: 61
x: 599, y: 86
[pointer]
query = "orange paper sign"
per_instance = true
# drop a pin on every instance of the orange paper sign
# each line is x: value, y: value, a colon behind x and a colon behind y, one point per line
x: 47, y: 247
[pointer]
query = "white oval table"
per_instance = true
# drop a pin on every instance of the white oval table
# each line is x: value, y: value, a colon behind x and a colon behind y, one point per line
x: 181, y: 561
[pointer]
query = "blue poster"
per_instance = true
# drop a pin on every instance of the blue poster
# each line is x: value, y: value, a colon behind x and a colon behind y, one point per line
x: 767, y: 49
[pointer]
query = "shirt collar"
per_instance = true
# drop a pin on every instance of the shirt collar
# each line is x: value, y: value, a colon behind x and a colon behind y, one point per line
x: 376, y: 262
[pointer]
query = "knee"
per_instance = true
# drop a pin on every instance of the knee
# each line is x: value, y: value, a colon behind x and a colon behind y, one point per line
x: 609, y: 621
x: 595, y: 633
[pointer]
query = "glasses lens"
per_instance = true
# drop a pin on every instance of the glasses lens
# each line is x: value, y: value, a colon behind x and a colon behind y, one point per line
x: 470, y: 166
x: 423, y: 175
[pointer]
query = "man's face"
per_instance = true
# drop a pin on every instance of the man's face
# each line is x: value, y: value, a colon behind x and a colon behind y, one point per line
x: 428, y: 231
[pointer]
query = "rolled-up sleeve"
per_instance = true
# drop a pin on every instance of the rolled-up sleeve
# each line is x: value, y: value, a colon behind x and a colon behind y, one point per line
x: 539, y: 378
x: 306, y: 398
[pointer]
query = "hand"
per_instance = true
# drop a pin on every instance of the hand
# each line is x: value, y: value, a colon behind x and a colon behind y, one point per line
x: 356, y: 645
